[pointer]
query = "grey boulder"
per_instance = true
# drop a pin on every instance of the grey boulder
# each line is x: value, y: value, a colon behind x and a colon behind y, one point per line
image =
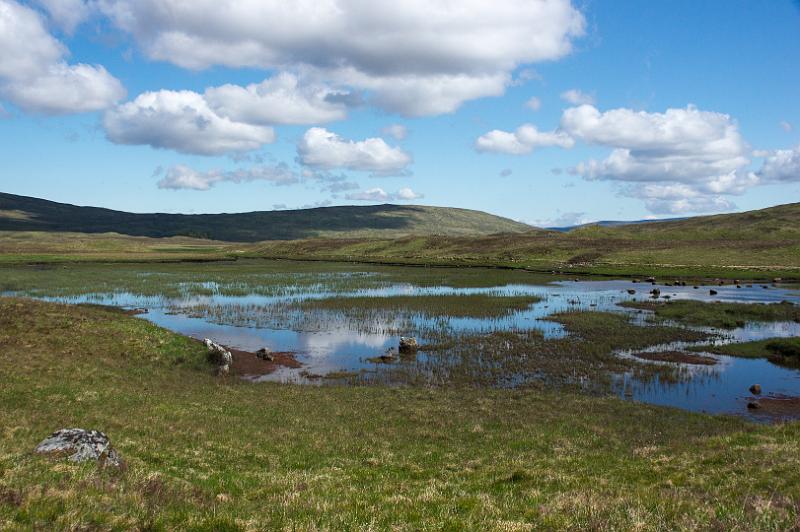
x: 79, y: 445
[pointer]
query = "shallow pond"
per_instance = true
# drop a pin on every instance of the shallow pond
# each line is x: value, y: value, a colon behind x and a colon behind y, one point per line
x: 341, y: 340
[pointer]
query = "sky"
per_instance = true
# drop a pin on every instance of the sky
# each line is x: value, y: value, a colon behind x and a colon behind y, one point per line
x: 551, y: 112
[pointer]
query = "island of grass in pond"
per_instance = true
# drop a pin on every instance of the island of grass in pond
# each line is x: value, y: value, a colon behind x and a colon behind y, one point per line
x: 719, y: 315
x: 781, y: 351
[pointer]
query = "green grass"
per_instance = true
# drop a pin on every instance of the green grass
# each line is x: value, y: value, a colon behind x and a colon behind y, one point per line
x: 211, y: 454
x: 780, y: 351
x: 754, y: 245
x: 722, y: 315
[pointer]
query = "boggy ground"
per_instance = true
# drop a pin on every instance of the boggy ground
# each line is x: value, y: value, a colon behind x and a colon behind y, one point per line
x: 206, y: 453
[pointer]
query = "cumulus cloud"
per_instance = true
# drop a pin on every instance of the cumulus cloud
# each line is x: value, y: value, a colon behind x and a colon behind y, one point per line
x: 781, y: 166
x: 396, y: 131
x: 416, y: 57
x: 228, y: 119
x: 277, y: 100
x: 577, y: 97
x: 34, y: 74
x: 696, y: 155
x: 522, y: 141
x: 378, y: 194
x: 181, y: 121
x: 180, y: 177
x: 534, y: 104
x: 323, y: 149
x: 66, y: 14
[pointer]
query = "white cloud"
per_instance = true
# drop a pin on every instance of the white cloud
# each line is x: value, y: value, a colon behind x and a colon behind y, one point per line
x: 183, y: 177
x: 396, y: 131
x: 407, y: 194
x: 229, y: 119
x: 781, y: 166
x: 786, y: 126
x: 522, y: 141
x: 577, y: 97
x: 566, y: 219
x: 534, y: 104
x: 277, y: 100
x: 321, y: 148
x: 66, y: 14
x: 417, y: 57
x: 34, y: 75
x: 378, y: 194
x: 697, y: 155
x: 181, y: 121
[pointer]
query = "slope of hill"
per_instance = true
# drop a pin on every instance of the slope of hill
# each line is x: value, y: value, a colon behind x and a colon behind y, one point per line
x: 774, y: 223
x: 20, y: 213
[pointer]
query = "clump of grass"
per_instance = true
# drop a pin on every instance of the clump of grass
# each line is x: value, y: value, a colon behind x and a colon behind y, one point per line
x: 718, y: 314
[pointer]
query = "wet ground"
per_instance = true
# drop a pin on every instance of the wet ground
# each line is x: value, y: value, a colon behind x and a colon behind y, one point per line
x: 325, y: 342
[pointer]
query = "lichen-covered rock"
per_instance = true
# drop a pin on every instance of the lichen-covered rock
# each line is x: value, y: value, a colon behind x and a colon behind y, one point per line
x: 219, y: 356
x: 408, y: 345
x: 80, y: 445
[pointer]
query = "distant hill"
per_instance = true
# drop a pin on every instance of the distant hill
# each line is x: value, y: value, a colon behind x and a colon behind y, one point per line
x: 21, y: 213
x: 611, y: 223
x: 774, y: 223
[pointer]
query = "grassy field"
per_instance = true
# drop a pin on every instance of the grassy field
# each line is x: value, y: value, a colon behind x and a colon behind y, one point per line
x: 206, y: 453
x: 753, y: 245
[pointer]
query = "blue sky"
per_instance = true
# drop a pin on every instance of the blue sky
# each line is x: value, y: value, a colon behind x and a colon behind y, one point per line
x: 642, y: 109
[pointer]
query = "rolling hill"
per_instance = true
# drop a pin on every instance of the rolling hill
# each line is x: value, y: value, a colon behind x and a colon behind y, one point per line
x: 21, y: 213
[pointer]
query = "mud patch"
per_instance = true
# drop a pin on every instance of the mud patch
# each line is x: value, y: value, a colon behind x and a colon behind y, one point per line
x: 776, y: 407
x: 246, y: 363
x: 678, y: 357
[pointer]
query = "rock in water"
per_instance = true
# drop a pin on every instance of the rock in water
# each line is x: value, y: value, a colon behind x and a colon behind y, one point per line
x: 80, y: 445
x: 408, y: 345
x: 219, y: 356
x: 755, y: 389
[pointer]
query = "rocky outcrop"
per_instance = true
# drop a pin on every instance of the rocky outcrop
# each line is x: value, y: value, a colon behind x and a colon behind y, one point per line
x: 408, y: 345
x: 80, y: 445
x: 220, y: 357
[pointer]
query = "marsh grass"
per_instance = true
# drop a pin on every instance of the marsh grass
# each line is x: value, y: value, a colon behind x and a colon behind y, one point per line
x: 586, y: 359
x: 211, y: 454
x: 455, y: 305
x: 718, y: 314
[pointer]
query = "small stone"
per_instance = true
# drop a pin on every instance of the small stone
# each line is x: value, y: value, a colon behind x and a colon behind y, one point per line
x: 408, y: 345
x: 755, y: 389
x: 753, y: 405
x: 631, y: 291
x: 265, y: 354
x: 712, y: 292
